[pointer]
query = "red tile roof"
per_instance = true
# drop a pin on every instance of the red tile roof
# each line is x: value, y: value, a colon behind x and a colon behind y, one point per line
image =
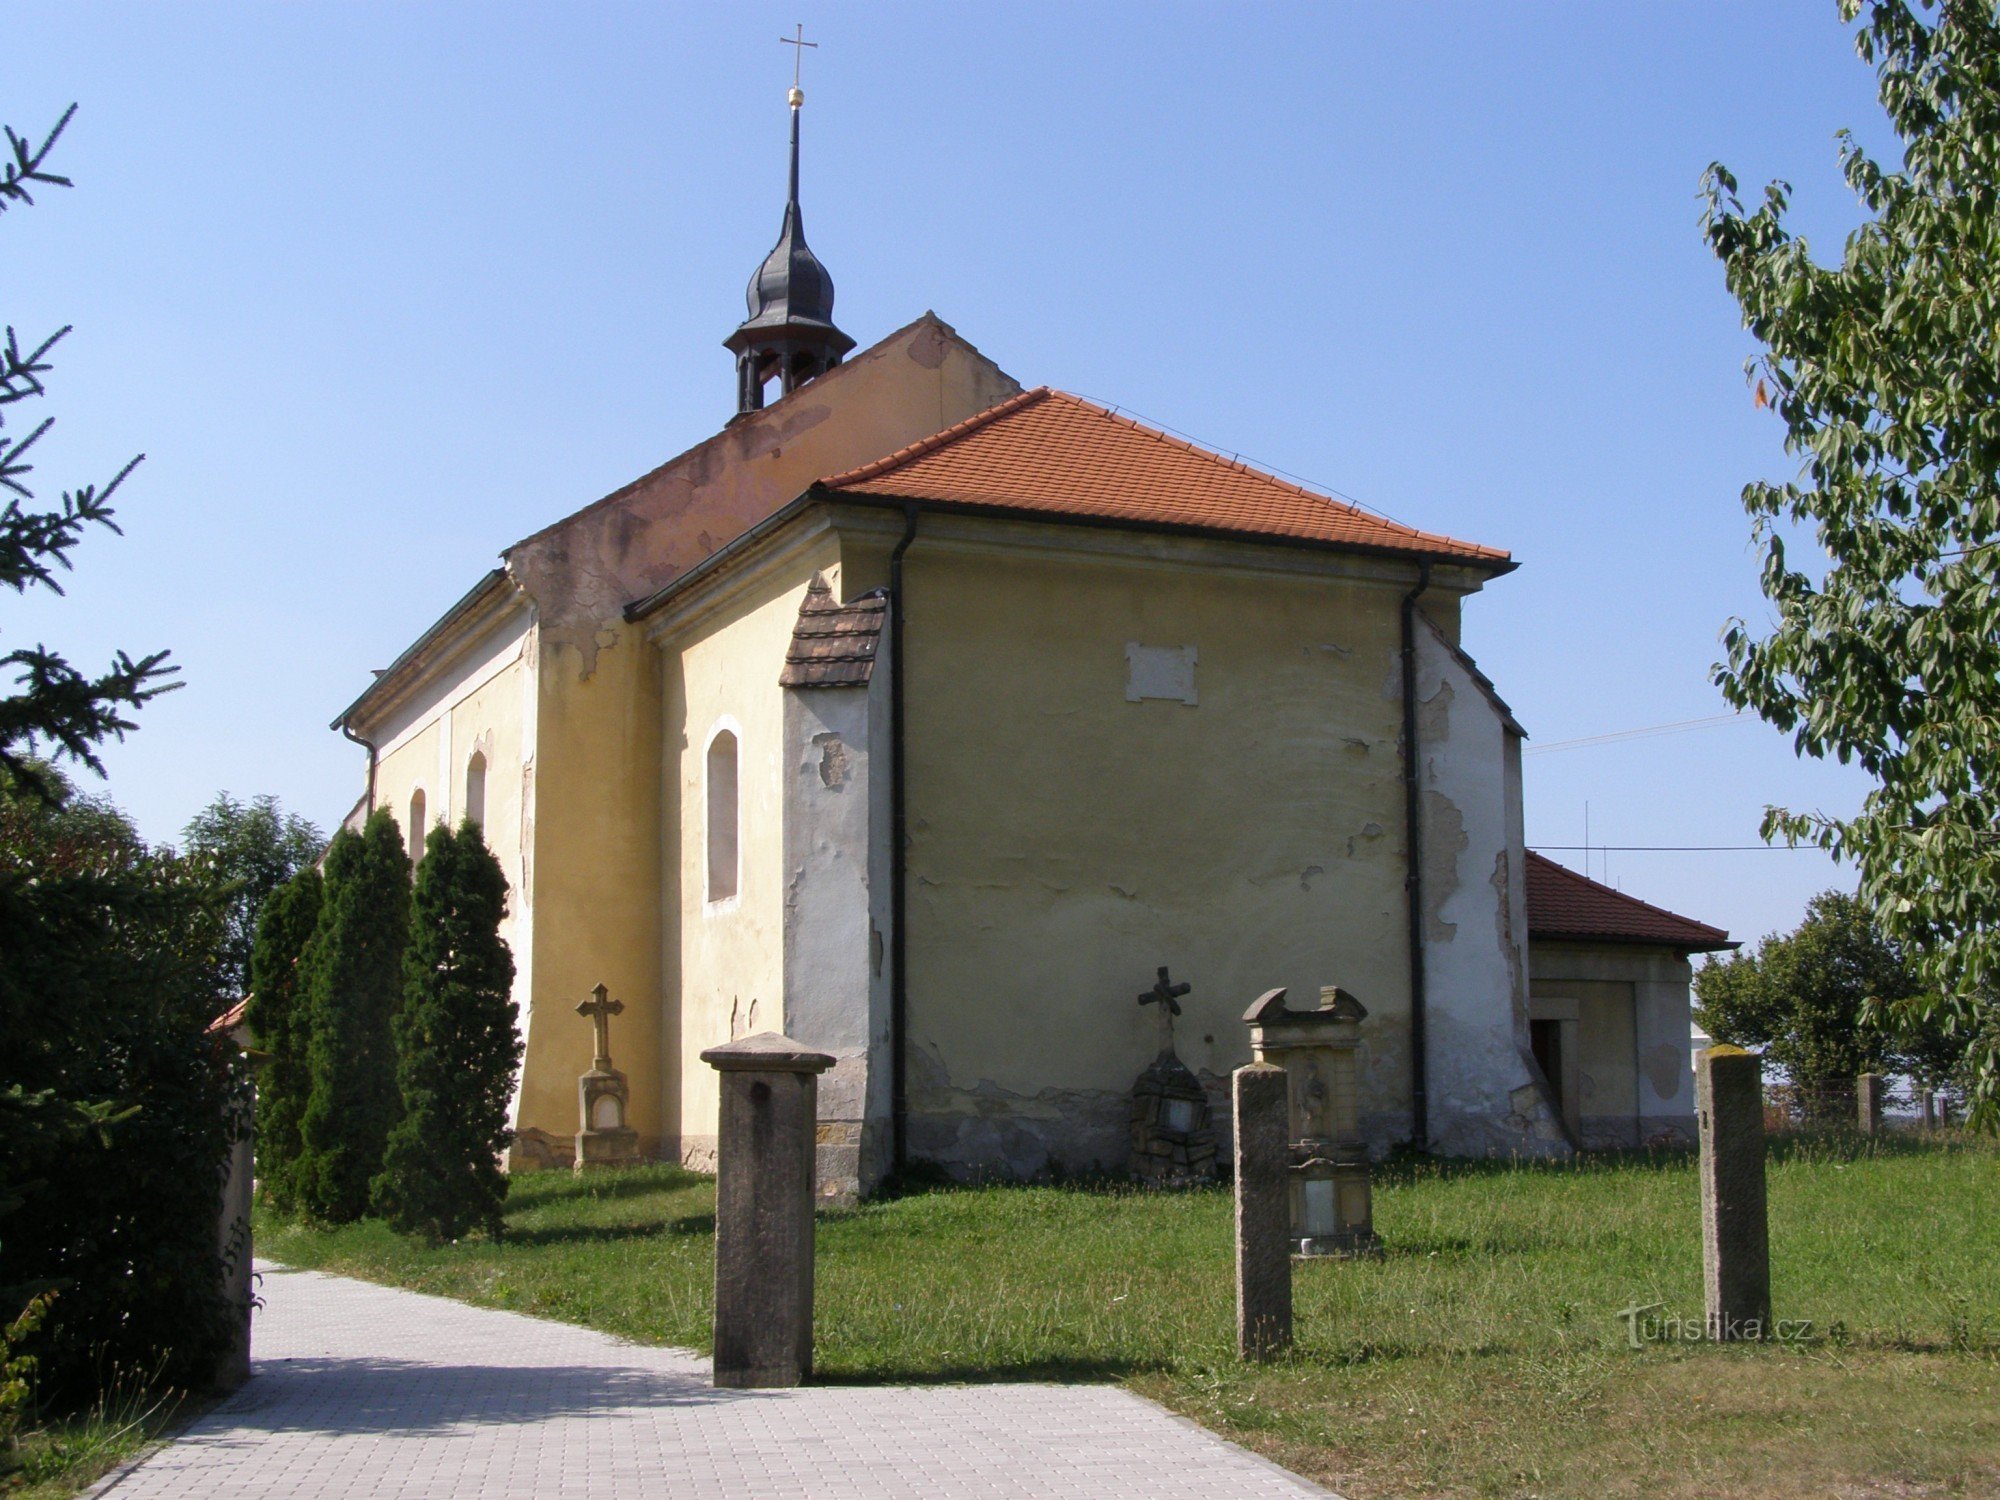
x: 1051, y: 452
x: 1564, y: 904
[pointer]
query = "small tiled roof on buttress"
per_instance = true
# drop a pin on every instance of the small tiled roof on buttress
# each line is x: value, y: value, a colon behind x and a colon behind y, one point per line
x: 1049, y: 452
x: 1565, y: 905
x: 834, y: 644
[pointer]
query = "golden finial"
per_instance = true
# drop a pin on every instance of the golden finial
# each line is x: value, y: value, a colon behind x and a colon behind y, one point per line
x: 798, y: 95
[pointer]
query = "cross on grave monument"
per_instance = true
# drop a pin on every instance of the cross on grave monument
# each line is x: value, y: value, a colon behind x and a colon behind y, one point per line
x: 603, y: 1139
x: 600, y: 1007
x: 1166, y: 995
x: 1171, y: 1141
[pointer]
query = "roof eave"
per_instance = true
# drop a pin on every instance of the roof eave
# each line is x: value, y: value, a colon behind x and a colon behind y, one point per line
x: 1632, y: 940
x: 1491, y: 567
x: 388, y: 678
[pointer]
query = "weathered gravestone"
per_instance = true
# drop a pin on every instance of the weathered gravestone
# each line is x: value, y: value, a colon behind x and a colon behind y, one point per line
x: 603, y: 1139
x: 1332, y: 1211
x: 1735, y: 1231
x: 1263, y: 1212
x: 1171, y: 1140
x: 1868, y: 1092
x: 764, y: 1209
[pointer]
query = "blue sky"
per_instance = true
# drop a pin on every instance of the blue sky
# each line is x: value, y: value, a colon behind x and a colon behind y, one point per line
x: 380, y: 288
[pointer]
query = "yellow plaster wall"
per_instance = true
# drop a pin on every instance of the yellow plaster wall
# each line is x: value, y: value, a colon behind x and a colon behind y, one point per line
x: 491, y: 716
x: 728, y: 957
x: 599, y: 756
x: 409, y: 766
x: 595, y: 879
x: 1064, y: 842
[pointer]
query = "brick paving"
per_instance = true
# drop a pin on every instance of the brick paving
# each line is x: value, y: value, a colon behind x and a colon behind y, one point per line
x: 362, y: 1390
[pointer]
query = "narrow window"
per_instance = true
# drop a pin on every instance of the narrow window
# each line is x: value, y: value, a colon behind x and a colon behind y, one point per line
x: 475, y: 788
x: 418, y: 827
x: 722, y: 816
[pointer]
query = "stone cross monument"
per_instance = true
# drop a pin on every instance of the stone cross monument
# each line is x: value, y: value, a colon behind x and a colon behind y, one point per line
x: 603, y: 1139
x: 1171, y: 1139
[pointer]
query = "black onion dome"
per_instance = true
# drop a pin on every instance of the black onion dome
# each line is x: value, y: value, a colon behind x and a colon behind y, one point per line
x: 790, y: 298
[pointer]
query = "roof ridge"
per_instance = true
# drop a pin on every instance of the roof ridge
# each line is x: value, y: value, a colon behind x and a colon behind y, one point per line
x: 1597, y: 885
x: 876, y: 467
x: 1038, y: 394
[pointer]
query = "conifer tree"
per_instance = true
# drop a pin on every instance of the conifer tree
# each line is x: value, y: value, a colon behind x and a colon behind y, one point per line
x: 457, y: 1047
x: 279, y: 1018
x: 353, y: 989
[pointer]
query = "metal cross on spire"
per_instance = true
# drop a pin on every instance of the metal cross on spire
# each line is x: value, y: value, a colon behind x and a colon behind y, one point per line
x: 799, y: 44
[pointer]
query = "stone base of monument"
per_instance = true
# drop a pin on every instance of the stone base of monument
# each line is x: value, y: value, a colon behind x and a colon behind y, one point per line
x: 605, y: 1140
x: 1334, y: 1206
x: 1171, y: 1139
x: 598, y: 1149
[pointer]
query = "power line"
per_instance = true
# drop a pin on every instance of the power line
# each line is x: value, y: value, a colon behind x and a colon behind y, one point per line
x: 1681, y: 848
x: 1635, y: 734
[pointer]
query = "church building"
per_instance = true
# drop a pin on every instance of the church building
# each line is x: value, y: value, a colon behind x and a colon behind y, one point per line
x: 926, y: 718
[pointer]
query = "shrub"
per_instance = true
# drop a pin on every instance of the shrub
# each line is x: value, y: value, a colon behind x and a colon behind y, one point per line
x: 279, y: 1019
x: 353, y: 985
x: 456, y: 1047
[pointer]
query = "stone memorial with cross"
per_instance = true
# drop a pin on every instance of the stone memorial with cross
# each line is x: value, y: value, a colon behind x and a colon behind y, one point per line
x: 603, y: 1139
x: 1171, y: 1139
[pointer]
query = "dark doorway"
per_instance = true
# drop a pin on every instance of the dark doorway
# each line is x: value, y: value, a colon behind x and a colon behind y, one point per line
x: 1545, y: 1037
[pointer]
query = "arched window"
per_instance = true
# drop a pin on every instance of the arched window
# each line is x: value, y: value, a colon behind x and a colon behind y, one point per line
x: 475, y: 788
x: 722, y: 816
x: 418, y: 827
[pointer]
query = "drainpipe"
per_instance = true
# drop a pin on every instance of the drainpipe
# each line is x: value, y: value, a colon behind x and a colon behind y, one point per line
x: 899, y: 998
x: 369, y: 746
x: 1413, y: 881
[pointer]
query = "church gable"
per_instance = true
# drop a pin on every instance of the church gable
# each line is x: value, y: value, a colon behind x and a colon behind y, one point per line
x: 582, y: 570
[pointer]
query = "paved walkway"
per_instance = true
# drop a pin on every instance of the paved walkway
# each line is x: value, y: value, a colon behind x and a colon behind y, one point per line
x: 362, y: 1390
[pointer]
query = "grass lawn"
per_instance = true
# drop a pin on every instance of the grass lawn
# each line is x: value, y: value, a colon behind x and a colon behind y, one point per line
x: 1481, y: 1355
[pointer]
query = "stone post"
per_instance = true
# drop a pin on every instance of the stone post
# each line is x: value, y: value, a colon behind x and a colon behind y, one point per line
x: 1263, y: 1212
x: 232, y: 1368
x: 764, y: 1209
x: 1735, y: 1232
x: 1927, y: 1103
x: 1868, y: 1102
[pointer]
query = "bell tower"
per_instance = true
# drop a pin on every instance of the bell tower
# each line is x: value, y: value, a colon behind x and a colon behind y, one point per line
x: 789, y: 333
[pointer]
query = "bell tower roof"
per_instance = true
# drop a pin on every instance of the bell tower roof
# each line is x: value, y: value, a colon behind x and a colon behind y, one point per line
x: 790, y: 331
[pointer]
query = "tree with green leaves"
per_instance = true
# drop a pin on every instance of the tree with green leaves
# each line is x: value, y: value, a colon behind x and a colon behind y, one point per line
x: 1885, y: 370
x: 456, y: 1046
x: 1819, y: 1001
x: 278, y: 1016
x: 108, y: 983
x: 257, y: 846
x: 353, y: 972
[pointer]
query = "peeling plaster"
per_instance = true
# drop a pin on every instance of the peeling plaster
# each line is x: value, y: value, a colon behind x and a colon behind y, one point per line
x: 1370, y: 831
x: 1444, y: 841
x: 1664, y: 1063
x: 832, y: 760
